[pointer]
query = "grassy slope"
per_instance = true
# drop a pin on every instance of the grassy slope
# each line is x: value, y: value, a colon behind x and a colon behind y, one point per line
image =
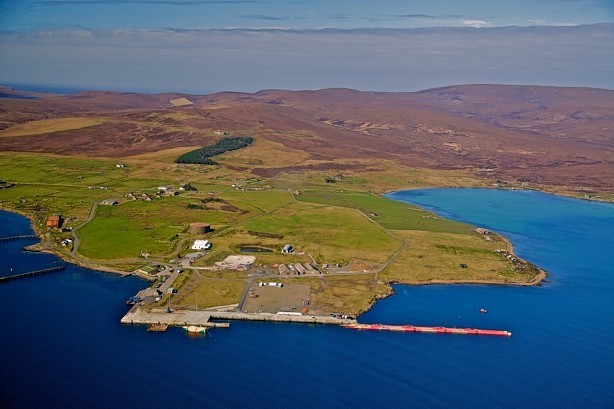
x: 437, y: 257
x: 328, y: 233
x: 205, y: 293
x: 46, y: 126
x: 330, y: 222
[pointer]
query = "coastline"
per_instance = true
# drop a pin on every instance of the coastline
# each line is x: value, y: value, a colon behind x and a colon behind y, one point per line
x: 533, y: 314
x: 508, y: 244
x: 546, y: 192
x: 74, y: 261
x: 535, y: 281
x: 45, y: 248
x: 40, y: 247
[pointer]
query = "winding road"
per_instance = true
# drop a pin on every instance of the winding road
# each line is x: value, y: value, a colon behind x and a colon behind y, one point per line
x: 76, y: 239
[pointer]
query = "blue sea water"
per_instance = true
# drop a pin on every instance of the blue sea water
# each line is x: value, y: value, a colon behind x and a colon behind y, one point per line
x: 51, y: 89
x: 62, y: 345
x: 66, y: 89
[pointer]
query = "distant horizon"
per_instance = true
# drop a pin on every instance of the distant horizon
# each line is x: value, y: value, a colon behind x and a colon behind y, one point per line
x: 69, y: 89
x: 208, y: 46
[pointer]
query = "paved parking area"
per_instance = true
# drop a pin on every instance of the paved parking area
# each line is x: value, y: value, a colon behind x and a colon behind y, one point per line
x: 291, y: 297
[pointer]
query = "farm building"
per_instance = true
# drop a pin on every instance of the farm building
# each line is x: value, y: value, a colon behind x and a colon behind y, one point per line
x: 201, y: 245
x: 200, y: 228
x: 283, y: 270
x: 54, y: 221
x: 300, y: 269
x: 147, y: 270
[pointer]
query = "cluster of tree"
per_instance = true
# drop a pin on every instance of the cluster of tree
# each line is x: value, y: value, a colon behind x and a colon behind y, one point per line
x: 195, y: 206
x: 212, y: 200
x: 203, y: 156
x: 189, y: 188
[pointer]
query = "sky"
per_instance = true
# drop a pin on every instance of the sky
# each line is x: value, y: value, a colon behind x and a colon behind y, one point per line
x: 203, y: 46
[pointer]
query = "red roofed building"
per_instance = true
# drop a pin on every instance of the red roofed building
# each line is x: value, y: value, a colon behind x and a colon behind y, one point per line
x: 54, y: 221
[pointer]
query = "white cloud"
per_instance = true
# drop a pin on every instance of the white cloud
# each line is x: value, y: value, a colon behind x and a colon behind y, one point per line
x: 537, y: 22
x: 476, y: 23
x: 368, y: 59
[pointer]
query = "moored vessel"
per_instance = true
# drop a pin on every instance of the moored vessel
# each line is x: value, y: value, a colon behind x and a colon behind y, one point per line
x: 195, y: 329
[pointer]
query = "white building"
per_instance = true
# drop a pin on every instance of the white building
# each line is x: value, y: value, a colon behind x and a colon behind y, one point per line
x: 201, y: 245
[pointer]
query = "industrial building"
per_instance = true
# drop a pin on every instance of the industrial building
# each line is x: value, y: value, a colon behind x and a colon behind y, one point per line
x: 200, y: 228
x: 201, y: 245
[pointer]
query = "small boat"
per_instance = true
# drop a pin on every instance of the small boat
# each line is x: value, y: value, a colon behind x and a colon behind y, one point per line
x: 195, y: 329
x: 483, y: 310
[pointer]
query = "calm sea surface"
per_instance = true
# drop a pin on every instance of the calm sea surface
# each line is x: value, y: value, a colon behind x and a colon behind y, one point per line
x: 62, y: 345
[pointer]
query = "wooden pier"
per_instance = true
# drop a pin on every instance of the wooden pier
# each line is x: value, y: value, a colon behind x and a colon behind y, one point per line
x: 15, y: 238
x: 31, y: 274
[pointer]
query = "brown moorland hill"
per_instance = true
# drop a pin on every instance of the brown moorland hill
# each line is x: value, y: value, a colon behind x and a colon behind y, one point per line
x: 549, y: 135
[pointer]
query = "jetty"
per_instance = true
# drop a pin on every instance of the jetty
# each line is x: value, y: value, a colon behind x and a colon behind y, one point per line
x: 179, y: 318
x: 15, y: 238
x: 431, y: 330
x: 31, y: 274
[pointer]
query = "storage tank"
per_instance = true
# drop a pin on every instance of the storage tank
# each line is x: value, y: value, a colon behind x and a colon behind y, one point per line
x: 200, y: 228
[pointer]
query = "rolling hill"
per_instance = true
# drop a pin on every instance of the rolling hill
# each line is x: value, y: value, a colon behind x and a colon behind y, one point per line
x: 546, y: 135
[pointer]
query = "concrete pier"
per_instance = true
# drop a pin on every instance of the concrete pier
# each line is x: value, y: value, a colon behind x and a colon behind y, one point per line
x: 179, y: 318
x: 303, y: 319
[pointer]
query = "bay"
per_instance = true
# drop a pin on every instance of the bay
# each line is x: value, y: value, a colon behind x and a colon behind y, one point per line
x: 63, y: 346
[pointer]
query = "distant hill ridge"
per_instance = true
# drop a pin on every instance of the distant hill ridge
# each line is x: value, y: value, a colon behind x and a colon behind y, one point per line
x: 547, y: 134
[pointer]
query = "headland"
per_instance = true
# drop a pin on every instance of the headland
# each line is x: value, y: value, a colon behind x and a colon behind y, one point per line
x: 306, y: 194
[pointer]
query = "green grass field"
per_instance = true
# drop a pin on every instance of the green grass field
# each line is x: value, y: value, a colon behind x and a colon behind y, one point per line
x: 207, y: 293
x: 438, y: 257
x: 345, y: 294
x: 326, y: 222
x: 108, y: 237
x: 333, y: 234
x: 389, y: 213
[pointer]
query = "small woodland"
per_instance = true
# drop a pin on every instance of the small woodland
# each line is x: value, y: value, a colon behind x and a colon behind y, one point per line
x: 203, y: 155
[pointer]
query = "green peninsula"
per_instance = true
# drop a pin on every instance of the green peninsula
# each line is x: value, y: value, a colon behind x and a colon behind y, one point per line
x: 348, y: 241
